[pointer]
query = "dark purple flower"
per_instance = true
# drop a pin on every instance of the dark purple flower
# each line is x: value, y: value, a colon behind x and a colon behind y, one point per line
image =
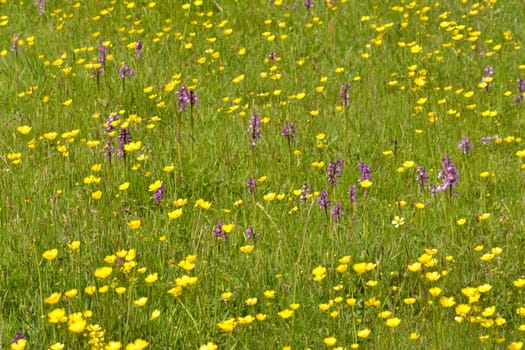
x: 250, y: 233
x: 465, y: 145
x: 288, y: 132
x: 109, y: 122
x: 422, y: 176
x: 305, y: 190
x: 186, y: 96
x: 194, y: 98
x: 334, y: 169
x: 250, y: 185
x: 322, y: 200
x: 41, y: 6
x: 352, y: 193
x: 337, y: 212
x: 308, y: 4
x: 138, y: 48
x: 254, y: 129
x: 365, y: 171
x: 218, y: 232
x: 449, y: 175
x: 19, y: 335
x: 344, y: 93
x: 158, y: 195
x: 123, y: 138
x: 125, y: 71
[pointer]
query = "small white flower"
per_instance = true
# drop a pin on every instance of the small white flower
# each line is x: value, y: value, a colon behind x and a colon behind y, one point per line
x: 398, y: 221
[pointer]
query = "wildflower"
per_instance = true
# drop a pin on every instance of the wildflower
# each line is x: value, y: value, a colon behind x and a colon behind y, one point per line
x: 365, y: 172
x: 393, y: 322
x: 319, y: 273
x: 218, y: 232
x: 305, y: 190
x: 24, y: 129
x: 330, y: 341
x: 53, y: 298
x: 322, y: 200
x: 308, y: 4
x: 19, y: 336
x: 138, y: 344
x: 422, y: 176
x: 103, y: 272
x: 250, y: 184
x: 352, y: 193
x: 246, y: 249
x: 363, y: 333
x: 288, y: 132
x: 337, y: 212
x: 254, y: 129
x: 125, y: 71
x: 158, y: 195
x: 15, y: 43
x: 449, y: 175
x: 521, y: 90
x: 41, y: 6
x: 208, y: 346
x: 344, y: 93
x: 465, y: 145
x: 286, y: 313
x: 138, y: 48
x: 227, y: 325
x: 124, y: 138
x: 334, y: 169
x: 50, y: 254
x: 186, y: 96
x: 486, y: 80
x: 398, y: 221
x: 134, y: 224
x: 172, y: 215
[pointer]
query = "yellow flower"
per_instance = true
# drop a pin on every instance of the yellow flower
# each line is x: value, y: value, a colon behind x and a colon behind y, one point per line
x: 319, y: 273
x: 155, y: 186
x: 71, y: 293
x: 269, y: 196
x: 227, y: 325
x: 24, y: 129
x: 225, y: 296
x: 363, y: 333
x: 201, y: 203
x: 124, y: 186
x: 140, y: 301
x: 19, y: 345
x: 186, y: 265
x: 247, y: 248
x: 103, y: 272
x: 516, y: 345
x: 447, y: 301
x: 393, y: 322
x: 75, y: 245
x: 228, y: 227
x: 53, y: 298
x: 365, y: 183
x: 208, y: 346
x: 286, y: 313
x: 113, y: 345
x: 175, y: 214
x: 57, y: 315
x: 134, y: 224
x: 96, y: 195
x: 57, y: 346
x: 330, y: 341
x: 151, y: 278
x: 50, y: 254
x: 251, y: 301
x: 138, y: 344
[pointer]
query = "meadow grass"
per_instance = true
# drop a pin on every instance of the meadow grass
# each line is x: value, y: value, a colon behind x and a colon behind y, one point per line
x: 262, y: 175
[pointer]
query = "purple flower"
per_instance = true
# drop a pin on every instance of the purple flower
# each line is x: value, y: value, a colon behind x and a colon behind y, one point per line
x: 254, y: 129
x: 125, y: 71
x: 337, y: 212
x: 250, y: 184
x: 322, y: 200
x: 521, y: 90
x: 158, y: 195
x: 449, y: 175
x: 41, y: 6
x: 308, y: 4
x: 334, y: 169
x: 486, y: 140
x: 250, y: 233
x: 305, y: 190
x: 352, y: 193
x: 288, y: 132
x: 19, y: 335
x: 109, y: 122
x: 123, y: 138
x: 365, y: 172
x: 138, y: 48
x: 344, y: 93
x: 218, y: 231
x: 102, y: 52
x: 465, y: 145
x: 186, y: 96
x: 422, y: 176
